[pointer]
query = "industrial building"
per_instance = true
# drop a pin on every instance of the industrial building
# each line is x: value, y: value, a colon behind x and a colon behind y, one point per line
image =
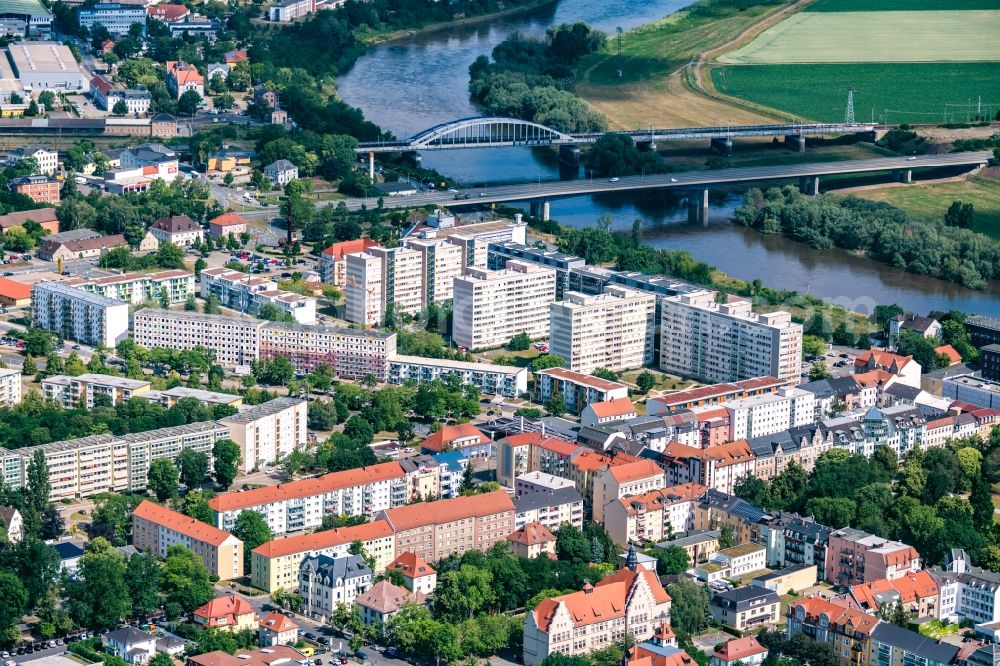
x: 47, y: 65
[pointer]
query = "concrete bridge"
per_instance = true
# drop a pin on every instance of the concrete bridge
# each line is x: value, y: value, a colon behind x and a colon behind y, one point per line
x: 497, y: 132
x: 698, y: 183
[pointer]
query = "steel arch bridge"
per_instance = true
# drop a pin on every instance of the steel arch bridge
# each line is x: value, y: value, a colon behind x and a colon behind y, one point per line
x: 478, y: 132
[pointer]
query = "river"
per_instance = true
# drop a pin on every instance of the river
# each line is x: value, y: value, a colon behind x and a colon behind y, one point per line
x: 412, y: 84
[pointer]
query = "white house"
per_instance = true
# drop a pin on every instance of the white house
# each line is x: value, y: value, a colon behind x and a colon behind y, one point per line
x: 130, y: 644
x: 325, y: 582
x: 281, y: 172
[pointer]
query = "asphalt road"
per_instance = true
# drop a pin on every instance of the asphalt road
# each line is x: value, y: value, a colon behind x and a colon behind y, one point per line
x: 679, y: 181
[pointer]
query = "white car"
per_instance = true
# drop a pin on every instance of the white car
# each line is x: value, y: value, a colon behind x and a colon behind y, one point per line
x: 673, y: 180
x: 614, y: 180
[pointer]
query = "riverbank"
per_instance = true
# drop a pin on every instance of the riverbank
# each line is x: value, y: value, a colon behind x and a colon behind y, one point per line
x: 398, y: 35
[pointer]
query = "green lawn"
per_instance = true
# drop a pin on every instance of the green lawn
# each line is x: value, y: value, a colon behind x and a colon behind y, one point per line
x: 892, y: 92
x: 821, y: 37
x: 898, y: 5
x: 931, y: 201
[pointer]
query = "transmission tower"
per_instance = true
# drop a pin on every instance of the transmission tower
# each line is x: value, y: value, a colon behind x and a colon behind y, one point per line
x: 849, y: 113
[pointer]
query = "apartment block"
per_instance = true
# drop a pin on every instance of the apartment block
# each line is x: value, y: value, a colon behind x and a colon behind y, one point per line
x: 108, y: 463
x: 491, y: 307
x: 268, y: 431
x: 746, y: 608
x: 526, y: 452
x: 301, y: 505
x: 434, y: 530
x: 117, y: 18
x: 967, y: 593
x: 83, y: 390
x: 616, y: 482
x: 10, y: 388
x: 717, y: 467
x: 854, y: 557
x: 613, y: 330
x: 630, y: 601
x: 492, y: 379
x: 716, y: 394
x: 333, y: 261
x: 770, y: 413
x: 249, y: 293
x: 653, y: 516
x: 577, y: 389
x: 351, y: 353
x: 441, y: 263
x: 475, y: 239
x: 235, y: 340
x: 537, y: 481
x: 76, y: 314
x: 136, y: 288
x: 551, y: 508
x: 727, y: 342
x: 170, y: 397
x: 381, y: 280
x: 325, y: 582
x: 275, y: 564
x: 499, y: 254
x: 364, y: 289
x: 155, y: 528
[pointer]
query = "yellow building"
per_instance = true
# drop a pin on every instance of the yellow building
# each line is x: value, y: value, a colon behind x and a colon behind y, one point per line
x: 227, y: 613
x: 227, y: 163
x: 275, y: 564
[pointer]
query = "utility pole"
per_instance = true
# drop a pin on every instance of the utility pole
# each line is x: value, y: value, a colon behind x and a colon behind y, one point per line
x: 849, y: 113
x: 619, y: 31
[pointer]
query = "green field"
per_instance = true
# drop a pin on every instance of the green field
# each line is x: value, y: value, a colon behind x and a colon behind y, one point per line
x: 931, y: 201
x: 898, y: 5
x: 896, y: 93
x: 903, y: 36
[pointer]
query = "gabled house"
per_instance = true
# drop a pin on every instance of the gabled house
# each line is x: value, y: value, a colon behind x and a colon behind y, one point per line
x: 180, y: 230
x: 281, y: 172
x: 418, y: 576
x: 183, y: 76
x: 227, y: 613
x: 130, y: 644
x: 277, y: 629
x: 382, y: 602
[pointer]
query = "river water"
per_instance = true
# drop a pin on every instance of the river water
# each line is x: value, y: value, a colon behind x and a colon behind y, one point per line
x: 412, y: 84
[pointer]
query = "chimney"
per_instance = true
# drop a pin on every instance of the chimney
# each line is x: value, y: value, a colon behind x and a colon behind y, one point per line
x: 587, y: 587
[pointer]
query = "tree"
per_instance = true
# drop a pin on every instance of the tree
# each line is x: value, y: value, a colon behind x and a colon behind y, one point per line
x: 468, y: 480
x: 251, y: 528
x: 186, y: 581
x: 689, y: 606
x: 143, y: 577
x: 359, y: 430
x: 188, y: 103
x: 193, y: 467
x: 28, y: 367
x: 226, y: 455
x: 556, y: 404
x: 671, y: 560
x: 726, y: 537
x: 520, y: 342
x: 982, y: 504
x: 13, y: 603
x: 547, y: 361
x: 836, y: 512
x: 36, y: 495
x: 572, y: 545
x: 959, y: 214
x: 163, y: 477
x: 645, y: 381
x: 112, y: 519
x: 161, y: 659
x: 461, y: 594
x: 98, y: 596
x: 38, y: 341
x: 120, y: 108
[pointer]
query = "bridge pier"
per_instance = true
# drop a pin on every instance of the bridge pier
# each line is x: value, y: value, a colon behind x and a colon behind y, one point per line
x: 648, y: 146
x: 698, y: 207
x: 809, y: 185
x: 796, y: 142
x: 723, y: 146
x: 413, y: 157
x: 569, y: 154
x: 903, y: 175
x: 371, y: 165
x: 540, y: 209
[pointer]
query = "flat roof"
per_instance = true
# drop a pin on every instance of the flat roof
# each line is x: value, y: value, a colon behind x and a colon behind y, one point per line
x: 254, y: 412
x: 458, y: 365
x: 23, y: 7
x: 79, y: 294
x: 43, y: 57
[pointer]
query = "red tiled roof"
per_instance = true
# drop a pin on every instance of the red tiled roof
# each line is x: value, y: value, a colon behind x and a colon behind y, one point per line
x: 302, y: 543
x: 14, y: 290
x: 949, y: 351
x: 338, y: 250
x: 591, y: 461
x: 633, y: 471
x: 448, y: 510
x: 228, y: 608
x: 717, y: 390
x: 910, y: 587
x: 724, y: 454
x: 184, y: 72
x: 384, y: 597
x: 228, y: 220
x: 180, y: 523
x: 558, y: 446
x: 440, y: 440
x: 616, y: 407
x: 277, y: 623
x: 531, y: 534
x: 168, y: 13
x: 657, y: 499
x: 881, y: 359
x: 838, y: 614
x: 740, y: 648
x: 18, y: 218
x: 945, y: 422
x: 306, y: 487
x: 581, y: 378
x: 412, y: 565
x: 601, y: 602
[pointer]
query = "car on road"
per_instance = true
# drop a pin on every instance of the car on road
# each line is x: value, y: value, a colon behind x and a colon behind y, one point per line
x: 360, y: 654
x: 310, y: 635
x: 614, y: 180
x: 673, y: 180
x: 76, y: 346
x: 911, y: 158
x: 391, y: 651
x: 482, y: 194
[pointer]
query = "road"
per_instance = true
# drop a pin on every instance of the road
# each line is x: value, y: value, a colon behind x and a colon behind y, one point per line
x: 678, y: 181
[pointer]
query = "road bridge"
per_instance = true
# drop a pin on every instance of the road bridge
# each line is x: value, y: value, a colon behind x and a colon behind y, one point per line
x: 498, y: 132
x: 696, y: 182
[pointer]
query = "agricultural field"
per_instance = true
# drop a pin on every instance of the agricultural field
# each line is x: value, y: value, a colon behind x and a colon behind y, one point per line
x: 898, y: 5
x: 889, y: 92
x: 827, y: 37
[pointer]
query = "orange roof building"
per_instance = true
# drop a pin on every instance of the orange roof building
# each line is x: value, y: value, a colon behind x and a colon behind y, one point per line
x: 332, y: 263
x: 918, y: 592
x: 953, y: 356
x: 533, y: 452
x: 652, y: 516
x: 275, y: 564
x: 434, y: 530
x: 618, y: 481
x: 463, y: 437
x: 611, y: 410
x: 831, y: 622
x: 230, y: 612
x: 267, y: 656
x: 182, y: 77
x: 14, y: 294
x: 717, y: 467
x: 633, y: 594
x: 155, y: 528
x: 746, y: 650
x: 906, y: 370
x: 353, y: 492
x: 417, y: 574
x: 227, y: 223
x: 531, y: 540
x: 277, y: 629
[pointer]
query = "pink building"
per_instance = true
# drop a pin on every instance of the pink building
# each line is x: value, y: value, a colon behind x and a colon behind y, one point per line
x: 855, y: 557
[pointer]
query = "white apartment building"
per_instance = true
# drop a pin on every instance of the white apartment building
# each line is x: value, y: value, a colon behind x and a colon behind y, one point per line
x: 248, y: 293
x: 364, y: 288
x: 770, y: 413
x: 505, y: 380
x: 301, y: 505
x: 136, y: 288
x: 724, y: 342
x: 491, y: 307
x: 617, y: 481
x: 76, y: 314
x: 10, y: 388
x: 967, y: 592
x: 47, y: 160
x: 551, y: 508
x: 577, y: 389
x: 82, y: 390
x: 269, y: 431
x: 117, y: 18
x: 441, y: 264
x: 538, y: 481
x: 235, y: 340
x: 475, y: 239
x: 326, y: 582
x: 351, y: 353
x: 108, y: 463
x: 612, y: 330
x: 653, y: 516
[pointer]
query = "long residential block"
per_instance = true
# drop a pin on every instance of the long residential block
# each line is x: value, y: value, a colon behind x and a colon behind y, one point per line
x: 434, y: 530
x: 491, y: 307
x: 300, y: 505
x: 155, y: 528
x: 248, y: 293
x: 83, y: 390
x: 489, y: 378
x: 726, y: 342
x: 136, y: 288
x: 268, y: 431
x: 108, y: 463
x: 76, y: 314
x: 577, y: 389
